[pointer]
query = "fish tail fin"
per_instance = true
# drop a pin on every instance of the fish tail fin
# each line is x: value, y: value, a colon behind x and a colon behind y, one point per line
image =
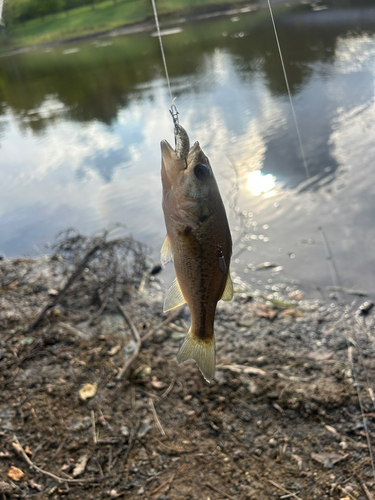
x: 201, y: 351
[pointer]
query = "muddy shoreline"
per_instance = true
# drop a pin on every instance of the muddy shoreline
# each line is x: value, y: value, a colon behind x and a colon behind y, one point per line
x: 281, y: 417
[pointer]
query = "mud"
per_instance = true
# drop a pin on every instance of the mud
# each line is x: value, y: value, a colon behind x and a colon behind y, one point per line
x: 281, y: 419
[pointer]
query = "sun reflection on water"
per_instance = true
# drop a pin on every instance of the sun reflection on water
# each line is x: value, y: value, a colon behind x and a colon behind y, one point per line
x: 257, y: 183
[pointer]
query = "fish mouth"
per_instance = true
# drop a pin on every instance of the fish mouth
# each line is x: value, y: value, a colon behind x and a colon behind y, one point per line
x: 167, y: 151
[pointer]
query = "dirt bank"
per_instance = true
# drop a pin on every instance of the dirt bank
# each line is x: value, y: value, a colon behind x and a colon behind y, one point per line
x: 281, y: 417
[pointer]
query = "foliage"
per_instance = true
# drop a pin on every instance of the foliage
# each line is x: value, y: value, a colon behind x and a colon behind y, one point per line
x: 29, y: 22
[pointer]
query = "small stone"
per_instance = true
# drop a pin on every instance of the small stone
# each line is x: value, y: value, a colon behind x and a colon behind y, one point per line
x: 87, y: 391
x: 272, y: 442
x: 142, y: 371
x: 158, y: 384
x: 343, y: 445
x: 125, y: 431
x: 113, y: 494
x: 237, y: 454
x: 187, y: 398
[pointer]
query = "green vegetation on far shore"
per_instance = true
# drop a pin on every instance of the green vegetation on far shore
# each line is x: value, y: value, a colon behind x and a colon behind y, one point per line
x: 90, y: 19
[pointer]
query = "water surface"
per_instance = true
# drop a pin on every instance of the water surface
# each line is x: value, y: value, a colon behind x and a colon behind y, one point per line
x: 80, y: 127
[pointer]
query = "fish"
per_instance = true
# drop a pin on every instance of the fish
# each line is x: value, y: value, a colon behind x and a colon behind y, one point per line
x: 199, y: 243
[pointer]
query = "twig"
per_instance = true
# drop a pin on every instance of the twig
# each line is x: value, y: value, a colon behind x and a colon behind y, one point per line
x: 46, y: 473
x: 102, y: 307
x: 369, y: 495
x: 71, y: 329
x: 219, y: 491
x: 167, y: 390
x: 166, y: 483
x: 78, y: 271
x: 156, y: 418
x: 93, y: 426
x: 174, y: 450
x: 127, y: 364
x: 170, y: 318
x: 345, y: 492
x: 277, y: 485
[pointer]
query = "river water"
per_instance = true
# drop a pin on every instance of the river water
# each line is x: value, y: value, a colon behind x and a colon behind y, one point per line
x: 80, y: 127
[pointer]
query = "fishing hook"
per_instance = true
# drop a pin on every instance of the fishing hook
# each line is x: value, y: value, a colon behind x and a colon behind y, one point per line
x: 174, y: 113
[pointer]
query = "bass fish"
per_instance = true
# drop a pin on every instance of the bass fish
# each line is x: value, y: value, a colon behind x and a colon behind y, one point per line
x: 198, y: 241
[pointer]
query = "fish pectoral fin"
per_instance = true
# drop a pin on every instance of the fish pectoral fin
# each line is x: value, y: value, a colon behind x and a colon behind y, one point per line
x: 201, y: 351
x: 174, y: 297
x: 166, y: 253
x: 228, y: 290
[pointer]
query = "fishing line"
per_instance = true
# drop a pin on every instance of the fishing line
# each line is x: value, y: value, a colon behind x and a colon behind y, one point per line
x: 289, y: 92
x: 161, y: 48
x: 329, y: 256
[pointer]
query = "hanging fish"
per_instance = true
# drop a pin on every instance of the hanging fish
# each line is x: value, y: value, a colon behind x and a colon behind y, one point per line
x: 198, y: 241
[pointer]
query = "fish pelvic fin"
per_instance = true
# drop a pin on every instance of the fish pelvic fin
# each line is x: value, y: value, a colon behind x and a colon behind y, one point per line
x: 228, y: 290
x: 201, y: 351
x: 166, y: 251
x: 174, y: 297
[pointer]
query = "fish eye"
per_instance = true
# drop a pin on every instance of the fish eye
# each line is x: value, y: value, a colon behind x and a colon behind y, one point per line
x: 202, y: 172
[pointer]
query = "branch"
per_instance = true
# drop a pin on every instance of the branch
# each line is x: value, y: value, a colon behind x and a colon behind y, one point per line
x: 46, y: 473
x: 69, y: 283
x: 127, y: 364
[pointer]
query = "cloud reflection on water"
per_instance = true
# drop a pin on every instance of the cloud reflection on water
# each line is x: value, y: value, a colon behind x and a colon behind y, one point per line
x: 90, y: 156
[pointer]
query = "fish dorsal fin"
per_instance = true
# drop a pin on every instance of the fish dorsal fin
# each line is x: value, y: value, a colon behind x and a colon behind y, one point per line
x: 166, y: 253
x: 174, y: 297
x: 228, y: 290
x: 203, y: 353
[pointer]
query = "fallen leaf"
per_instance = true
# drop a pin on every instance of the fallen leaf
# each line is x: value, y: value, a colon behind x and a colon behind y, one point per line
x: 262, y: 311
x: 15, y: 474
x: 292, y: 313
x: 80, y: 465
x: 320, y: 356
x: 87, y: 391
x: 332, y: 430
x: 328, y: 459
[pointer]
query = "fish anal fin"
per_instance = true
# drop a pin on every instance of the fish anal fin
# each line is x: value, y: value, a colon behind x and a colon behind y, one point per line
x: 201, y: 351
x: 228, y: 290
x: 174, y: 297
x: 166, y: 253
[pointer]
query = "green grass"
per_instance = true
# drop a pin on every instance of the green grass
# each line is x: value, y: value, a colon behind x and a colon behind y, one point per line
x: 85, y: 20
